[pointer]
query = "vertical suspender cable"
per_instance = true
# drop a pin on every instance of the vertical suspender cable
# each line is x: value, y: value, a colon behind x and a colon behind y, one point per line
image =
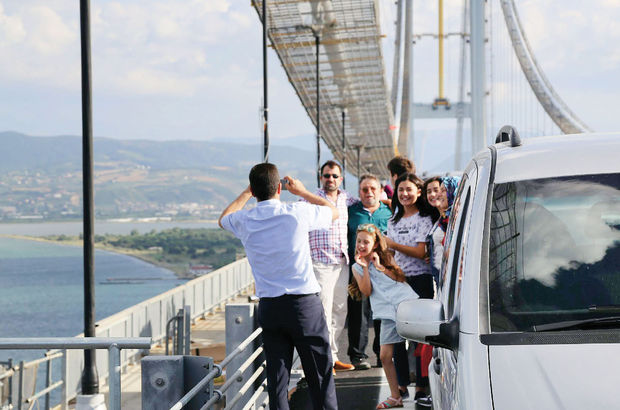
x: 477, y: 72
x: 397, y: 48
x: 405, y: 137
x: 440, y: 53
x: 317, y: 40
x: 344, y: 150
x: 90, y: 382
x: 359, y: 166
x: 459, y: 121
x: 265, y: 101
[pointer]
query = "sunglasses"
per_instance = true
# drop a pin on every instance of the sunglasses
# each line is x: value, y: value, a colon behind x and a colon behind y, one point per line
x: 370, y: 228
x: 335, y: 176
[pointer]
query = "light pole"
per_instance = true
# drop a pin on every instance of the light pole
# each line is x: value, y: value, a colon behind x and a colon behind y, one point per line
x: 265, y: 107
x: 317, y: 41
x: 344, y: 149
x: 90, y: 378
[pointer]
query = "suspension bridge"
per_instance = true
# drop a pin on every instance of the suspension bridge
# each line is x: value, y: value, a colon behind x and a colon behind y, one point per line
x: 332, y: 52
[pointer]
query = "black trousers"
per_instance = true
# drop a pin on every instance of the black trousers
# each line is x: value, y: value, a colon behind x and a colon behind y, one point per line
x: 423, y: 286
x: 297, y: 321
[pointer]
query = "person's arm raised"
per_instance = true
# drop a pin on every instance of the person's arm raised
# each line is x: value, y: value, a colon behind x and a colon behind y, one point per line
x: 418, y: 251
x: 236, y: 205
x: 295, y: 187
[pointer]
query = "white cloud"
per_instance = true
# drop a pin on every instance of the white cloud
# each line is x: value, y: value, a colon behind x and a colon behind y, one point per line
x: 11, y: 28
x: 47, y: 32
x: 209, y: 50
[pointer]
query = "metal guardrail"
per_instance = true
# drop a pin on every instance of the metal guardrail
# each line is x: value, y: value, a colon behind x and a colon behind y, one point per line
x: 113, y: 346
x: 245, y: 371
x: 217, y: 372
x: 181, y: 332
x: 148, y: 319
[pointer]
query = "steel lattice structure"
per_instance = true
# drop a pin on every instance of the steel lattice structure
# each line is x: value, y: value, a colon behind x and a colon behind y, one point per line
x: 351, y: 73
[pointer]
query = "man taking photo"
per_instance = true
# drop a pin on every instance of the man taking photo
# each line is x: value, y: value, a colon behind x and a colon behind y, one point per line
x: 275, y: 237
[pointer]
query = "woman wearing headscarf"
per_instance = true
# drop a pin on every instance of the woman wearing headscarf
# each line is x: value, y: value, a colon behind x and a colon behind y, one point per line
x: 440, y: 192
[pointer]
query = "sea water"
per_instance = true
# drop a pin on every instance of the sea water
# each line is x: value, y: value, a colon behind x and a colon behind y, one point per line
x: 41, y: 289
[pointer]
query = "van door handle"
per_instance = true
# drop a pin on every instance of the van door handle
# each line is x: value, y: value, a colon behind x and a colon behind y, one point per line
x: 437, y: 365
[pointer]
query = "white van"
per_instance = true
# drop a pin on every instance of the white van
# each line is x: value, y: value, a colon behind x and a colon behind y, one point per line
x: 528, y: 308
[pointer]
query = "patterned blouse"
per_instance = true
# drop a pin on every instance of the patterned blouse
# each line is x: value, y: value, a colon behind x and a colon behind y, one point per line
x: 409, y: 231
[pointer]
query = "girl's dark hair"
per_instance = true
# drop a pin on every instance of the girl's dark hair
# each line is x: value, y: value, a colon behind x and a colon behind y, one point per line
x: 386, y: 258
x: 433, y: 212
x: 421, y: 203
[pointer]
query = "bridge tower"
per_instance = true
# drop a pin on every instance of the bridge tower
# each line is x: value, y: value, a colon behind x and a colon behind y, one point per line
x: 441, y: 107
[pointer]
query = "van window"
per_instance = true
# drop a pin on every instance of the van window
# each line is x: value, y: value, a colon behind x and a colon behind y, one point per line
x: 456, y: 274
x: 453, y: 248
x: 554, y: 251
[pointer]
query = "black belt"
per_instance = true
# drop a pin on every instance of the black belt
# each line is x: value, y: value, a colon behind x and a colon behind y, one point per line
x: 291, y: 296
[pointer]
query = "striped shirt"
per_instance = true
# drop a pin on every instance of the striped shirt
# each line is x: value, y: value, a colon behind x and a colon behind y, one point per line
x: 330, y: 246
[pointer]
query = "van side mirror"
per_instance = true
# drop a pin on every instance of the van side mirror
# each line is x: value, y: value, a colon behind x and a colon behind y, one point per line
x: 422, y: 320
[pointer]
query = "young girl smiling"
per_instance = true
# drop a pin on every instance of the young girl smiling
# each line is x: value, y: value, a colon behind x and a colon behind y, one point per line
x: 378, y: 277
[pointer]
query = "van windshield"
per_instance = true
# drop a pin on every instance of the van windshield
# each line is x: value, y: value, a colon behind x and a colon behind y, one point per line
x: 554, y: 251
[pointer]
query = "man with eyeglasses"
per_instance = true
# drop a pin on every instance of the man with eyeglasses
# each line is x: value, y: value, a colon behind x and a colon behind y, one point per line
x: 330, y: 260
x: 369, y: 210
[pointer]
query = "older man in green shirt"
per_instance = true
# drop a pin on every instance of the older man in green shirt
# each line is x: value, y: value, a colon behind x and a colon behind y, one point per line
x: 370, y: 210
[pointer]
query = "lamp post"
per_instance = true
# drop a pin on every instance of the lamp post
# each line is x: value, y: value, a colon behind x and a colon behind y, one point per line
x: 265, y: 106
x: 344, y: 149
x: 358, y: 148
x: 317, y: 42
x: 90, y: 378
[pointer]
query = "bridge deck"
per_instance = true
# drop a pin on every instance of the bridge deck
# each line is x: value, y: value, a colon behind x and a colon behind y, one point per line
x: 356, y: 390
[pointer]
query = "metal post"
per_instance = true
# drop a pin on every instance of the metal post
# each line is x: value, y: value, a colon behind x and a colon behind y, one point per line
x: 90, y: 382
x: 20, y: 390
x: 10, y: 363
x: 178, y: 336
x: 359, y: 170
x: 48, y: 381
x: 240, y: 323
x: 317, y: 40
x: 265, y: 106
x: 64, y: 394
x: 344, y: 150
x: 478, y: 121
x: 114, y: 376
x: 187, y: 328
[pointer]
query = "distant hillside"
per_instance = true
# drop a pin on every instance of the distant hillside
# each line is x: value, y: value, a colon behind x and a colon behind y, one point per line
x: 42, y: 175
x: 23, y: 152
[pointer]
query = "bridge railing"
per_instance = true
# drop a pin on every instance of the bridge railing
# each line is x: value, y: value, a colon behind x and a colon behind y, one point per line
x: 149, y: 318
x: 112, y: 345
x: 244, y: 368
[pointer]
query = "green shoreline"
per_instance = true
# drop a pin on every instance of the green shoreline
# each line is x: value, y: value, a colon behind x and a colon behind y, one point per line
x: 179, y: 269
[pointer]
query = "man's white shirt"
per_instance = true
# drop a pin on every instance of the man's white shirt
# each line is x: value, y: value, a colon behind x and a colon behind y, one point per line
x: 275, y: 237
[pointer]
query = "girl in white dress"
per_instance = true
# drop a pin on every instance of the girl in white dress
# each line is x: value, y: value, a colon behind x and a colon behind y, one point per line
x: 378, y: 277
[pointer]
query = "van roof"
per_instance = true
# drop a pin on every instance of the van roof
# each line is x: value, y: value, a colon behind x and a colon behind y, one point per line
x: 560, y: 155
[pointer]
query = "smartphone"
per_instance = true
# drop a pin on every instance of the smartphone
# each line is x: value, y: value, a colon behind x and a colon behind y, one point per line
x: 284, y: 183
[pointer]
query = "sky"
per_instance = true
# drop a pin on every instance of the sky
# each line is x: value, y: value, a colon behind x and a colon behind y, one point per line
x: 192, y: 69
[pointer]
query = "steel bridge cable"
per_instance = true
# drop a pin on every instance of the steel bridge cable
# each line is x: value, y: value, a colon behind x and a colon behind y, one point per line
x: 460, y: 116
x: 559, y: 112
x: 397, y: 51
